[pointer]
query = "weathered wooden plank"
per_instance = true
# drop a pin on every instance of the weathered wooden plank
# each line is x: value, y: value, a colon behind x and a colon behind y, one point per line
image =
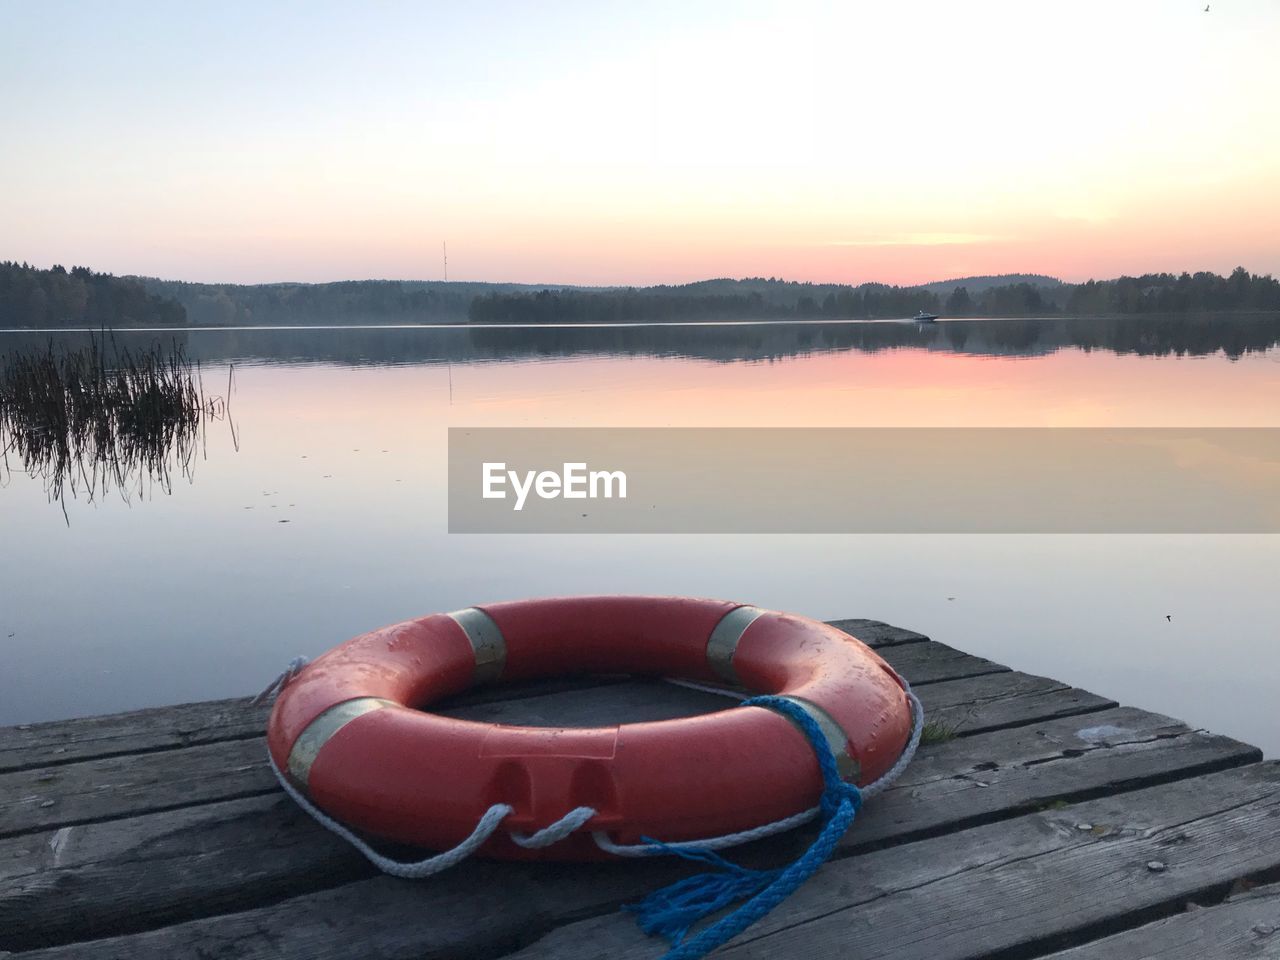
x: 1020, y: 887
x: 877, y: 633
x: 961, y: 896
x: 132, y: 842
x: 995, y: 700
x: 487, y: 911
x: 979, y: 778
x: 138, y: 731
x: 1245, y: 927
x: 135, y: 783
x: 141, y: 872
x: 95, y: 886
x: 33, y: 745
x: 931, y: 662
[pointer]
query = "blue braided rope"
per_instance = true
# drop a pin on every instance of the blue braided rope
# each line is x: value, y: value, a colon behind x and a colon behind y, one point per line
x: 671, y: 911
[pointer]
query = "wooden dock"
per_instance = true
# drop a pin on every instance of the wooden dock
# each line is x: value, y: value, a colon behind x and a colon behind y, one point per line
x: 1045, y: 821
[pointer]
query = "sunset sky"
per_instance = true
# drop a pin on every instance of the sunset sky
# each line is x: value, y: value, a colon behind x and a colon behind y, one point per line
x: 607, y: 143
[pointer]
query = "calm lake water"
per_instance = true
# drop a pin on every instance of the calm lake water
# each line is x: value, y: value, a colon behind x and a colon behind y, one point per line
x: 203, y: 591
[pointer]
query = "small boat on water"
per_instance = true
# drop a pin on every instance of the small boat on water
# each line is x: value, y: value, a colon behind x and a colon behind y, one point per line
x: 923, y: 317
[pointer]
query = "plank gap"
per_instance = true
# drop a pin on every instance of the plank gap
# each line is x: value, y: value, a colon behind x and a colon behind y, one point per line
x: 1231, y: 925
x: 1085, y: 708
x: 1071, y: 798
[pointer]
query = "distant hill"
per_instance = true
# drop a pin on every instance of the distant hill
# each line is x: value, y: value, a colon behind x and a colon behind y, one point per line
x: 979, y: 284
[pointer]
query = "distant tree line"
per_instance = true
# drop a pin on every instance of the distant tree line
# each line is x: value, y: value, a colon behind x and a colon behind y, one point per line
x: 616, y: 306
x: 779, y: 300
x: 1008, y: 300
x: 692, y: 303
x: 1149, y: 293
x: 57, y: 297
x: 794, y: 301
x: 30, y: 297
x: 1166, y: 293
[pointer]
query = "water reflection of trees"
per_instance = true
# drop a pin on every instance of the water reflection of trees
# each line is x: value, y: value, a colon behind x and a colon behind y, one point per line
x: 101, y: 417
x: 1233, y: 335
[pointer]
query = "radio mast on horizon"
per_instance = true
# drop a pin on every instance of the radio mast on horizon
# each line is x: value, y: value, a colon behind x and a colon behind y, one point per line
x: 444, y: 246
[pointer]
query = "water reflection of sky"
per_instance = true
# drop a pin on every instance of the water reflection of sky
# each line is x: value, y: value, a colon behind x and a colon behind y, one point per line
x: 206, y: 592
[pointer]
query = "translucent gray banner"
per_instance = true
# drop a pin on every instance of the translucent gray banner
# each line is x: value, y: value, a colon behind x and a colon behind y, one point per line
x: 837, y: 480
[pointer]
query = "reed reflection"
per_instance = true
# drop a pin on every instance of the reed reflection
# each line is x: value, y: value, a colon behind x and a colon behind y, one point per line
x: 100, y: 417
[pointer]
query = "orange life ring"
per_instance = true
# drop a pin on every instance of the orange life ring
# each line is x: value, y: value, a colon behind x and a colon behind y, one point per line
x: 350, y: 733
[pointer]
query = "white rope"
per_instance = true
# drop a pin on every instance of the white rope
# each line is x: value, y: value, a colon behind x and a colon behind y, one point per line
x: 575, y: 819
x: 710, y: 843
x: 917, y: 730
x: 572, y: 821
x: 279, y: 683
x: 488, y: 824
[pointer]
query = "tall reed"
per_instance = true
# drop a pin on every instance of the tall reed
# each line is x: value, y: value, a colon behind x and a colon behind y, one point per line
x: 103, y: 416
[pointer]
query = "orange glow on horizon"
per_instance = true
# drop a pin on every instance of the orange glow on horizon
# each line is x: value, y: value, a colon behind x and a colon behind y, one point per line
x: 604, y: 146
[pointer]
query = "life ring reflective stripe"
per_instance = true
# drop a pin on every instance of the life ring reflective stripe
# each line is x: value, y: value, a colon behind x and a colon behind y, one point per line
x: 350, y: 729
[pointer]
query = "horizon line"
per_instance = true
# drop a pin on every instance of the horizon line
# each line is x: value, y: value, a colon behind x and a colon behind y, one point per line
x: 642, y: 286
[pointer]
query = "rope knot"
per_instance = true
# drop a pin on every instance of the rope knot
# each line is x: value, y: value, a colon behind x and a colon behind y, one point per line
x: 833, y: 797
